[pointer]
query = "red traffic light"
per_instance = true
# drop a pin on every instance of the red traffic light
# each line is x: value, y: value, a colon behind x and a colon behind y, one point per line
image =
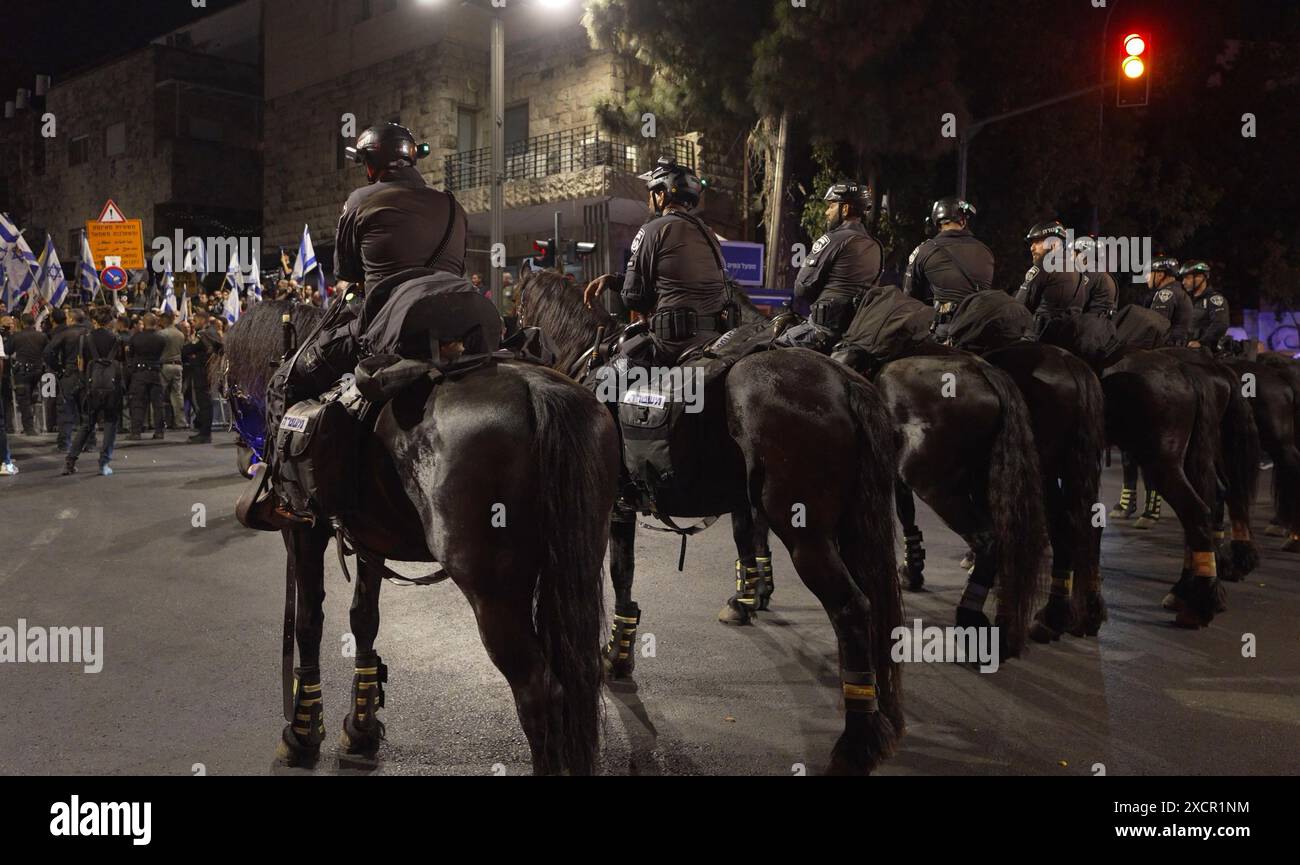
x: 1135, y: 45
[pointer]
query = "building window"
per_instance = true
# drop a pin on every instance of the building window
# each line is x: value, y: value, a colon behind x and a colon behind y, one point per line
x: 115, y: 140
x: 466, y: 129
x: 79, y: 151
x: 516, y: 128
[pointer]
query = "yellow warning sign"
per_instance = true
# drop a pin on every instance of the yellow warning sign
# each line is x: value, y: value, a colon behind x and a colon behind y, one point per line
x: 125, y: 240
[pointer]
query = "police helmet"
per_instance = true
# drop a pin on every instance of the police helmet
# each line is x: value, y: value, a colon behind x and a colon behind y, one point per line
x: 1044, y: 230
x: 1194, y: 268
x: 677, y: 182
x: 1165, y: 264
x: 1085, y: 245
x: 949, y: 210
x: 387, y: 146
x: 856, y: 195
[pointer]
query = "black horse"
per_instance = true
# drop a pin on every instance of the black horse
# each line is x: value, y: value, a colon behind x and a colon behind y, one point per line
x: 805, y: 446
x: 966, y: 447
x: 1275, y: 380
x: 506, y: 477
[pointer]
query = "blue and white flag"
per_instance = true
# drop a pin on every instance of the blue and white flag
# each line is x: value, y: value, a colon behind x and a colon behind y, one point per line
x: 196, y: 257
x: 53, y: 282
x: 169, y: 291
x: 232, y: 305
x: 9, y: 235
x: 306, y: 257
x: 254, y: 285
x: 22, y: 271
x: 87, y: 275
x: 234, y: 273
x: 185, y: 307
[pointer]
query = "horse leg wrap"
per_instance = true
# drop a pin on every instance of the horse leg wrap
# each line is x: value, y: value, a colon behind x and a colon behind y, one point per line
x: 620, y: 655
x: 1152, y: 511
x: 860, y: 693
x: 1203, y: 595
x: 973, y: 598
x: 749, y: 582
x: 300, y: 741
x: 362, y: 729
x: 1127, y: 505
x: 766, y: 581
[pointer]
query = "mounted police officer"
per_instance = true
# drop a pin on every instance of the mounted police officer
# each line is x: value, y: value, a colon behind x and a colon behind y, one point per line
x: 394, y: 229
x: 951, y: 266
x: 844, y: 263
x: 677, y: 277
x: 1103, y: 295
x: 1051, y: 290
x: 1166, y: 296
x: 1210, y: 314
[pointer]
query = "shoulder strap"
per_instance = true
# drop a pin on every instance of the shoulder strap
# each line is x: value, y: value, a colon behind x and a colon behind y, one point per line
x: 710, y: 240
x: 956, y: 262
x: 446, y: 238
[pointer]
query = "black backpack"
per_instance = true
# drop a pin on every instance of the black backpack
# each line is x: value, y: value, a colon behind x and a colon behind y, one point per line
x: 103, y: 379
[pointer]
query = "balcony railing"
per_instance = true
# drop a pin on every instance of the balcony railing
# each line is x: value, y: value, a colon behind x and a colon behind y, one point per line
x: 561, y: 153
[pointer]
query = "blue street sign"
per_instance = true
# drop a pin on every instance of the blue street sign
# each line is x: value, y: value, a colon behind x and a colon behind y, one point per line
x: 744, y: 261
x: 113, y: 278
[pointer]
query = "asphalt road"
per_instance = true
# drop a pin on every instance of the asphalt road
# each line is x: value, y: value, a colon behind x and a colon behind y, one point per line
x: 191, y: 621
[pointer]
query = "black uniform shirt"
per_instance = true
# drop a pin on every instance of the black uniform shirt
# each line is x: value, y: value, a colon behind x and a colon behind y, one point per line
x: 1173, y: 303
x: 396, y: 225
x: 842, y: 265
x: 949, y: 268
x: 1210, y: 318
x: 1103, y: 296
x: 1054, y: 293
x: 674, y: 265
x: 29, y: 347
x: 61, y: 352
x: 105, y: 342
x: 147, y: 346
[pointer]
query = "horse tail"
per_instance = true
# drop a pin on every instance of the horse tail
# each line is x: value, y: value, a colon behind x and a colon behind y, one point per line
x: 866, y: 539
x: 1241, y: 454
x: 1081, y: 482
x: 1203, y: 443
x: 574, y: 454
x: 1015, y: 498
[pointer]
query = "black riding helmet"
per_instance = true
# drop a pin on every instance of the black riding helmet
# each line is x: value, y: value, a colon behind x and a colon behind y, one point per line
x: 388, y: 146
x: 857, y: 196
x: 1165, y: 264
x: 678, y: 183
x: 949, y: 210
x: 1193, y: 268
x: 1044, y: 230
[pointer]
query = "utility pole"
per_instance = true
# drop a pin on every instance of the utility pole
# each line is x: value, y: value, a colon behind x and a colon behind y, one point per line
x: 776, y: 205
x: 498, y: 203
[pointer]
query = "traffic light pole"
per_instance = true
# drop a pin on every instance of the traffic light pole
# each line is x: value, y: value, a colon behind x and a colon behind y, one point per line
x: 963, y: 143
x: 498, y: 202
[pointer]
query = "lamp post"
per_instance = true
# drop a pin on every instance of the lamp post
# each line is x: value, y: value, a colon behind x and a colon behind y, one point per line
x: 498, y: 202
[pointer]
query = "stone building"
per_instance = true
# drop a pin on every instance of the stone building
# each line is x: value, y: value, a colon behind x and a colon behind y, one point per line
x: 427, y: 67
x: 171, y: 132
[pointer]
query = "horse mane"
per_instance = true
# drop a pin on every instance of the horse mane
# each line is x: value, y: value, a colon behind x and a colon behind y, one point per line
x: 549, y: 303
x: 255, y: 343
x: 749, y: 313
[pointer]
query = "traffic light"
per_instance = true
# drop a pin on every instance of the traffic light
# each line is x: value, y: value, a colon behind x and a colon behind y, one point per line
x: 580, y: 249
x: 1134, y: 81
x: 546, y: 253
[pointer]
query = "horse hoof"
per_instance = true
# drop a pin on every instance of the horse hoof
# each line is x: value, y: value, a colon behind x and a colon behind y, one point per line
x: 735, y: 614
x: 294, y: 753
x: 967, y: 618
x: 1118, y: 513
x: 1291, y: 546
x: 1275, y: 531
x: 1189, y: 620
x: 1145, y: 523
x: 357, y: 741
x: 968, y: 561
x: 765, y: 600
x: 617, y: 671
x: 1245, y: 558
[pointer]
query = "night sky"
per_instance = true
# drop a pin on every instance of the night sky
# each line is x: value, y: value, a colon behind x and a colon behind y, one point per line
x: 60, y: 38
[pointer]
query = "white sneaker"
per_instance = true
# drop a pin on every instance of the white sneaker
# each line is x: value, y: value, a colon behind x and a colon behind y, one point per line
x: 8, y: 470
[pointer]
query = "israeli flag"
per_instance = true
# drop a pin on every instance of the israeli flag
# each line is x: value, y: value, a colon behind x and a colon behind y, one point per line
x: 119, y: 308
x: 9, y: 235
x: 254, y: 285
x: 87, y: 276
x: 54, y: 284
x: 185, y: 307
x: 232, y: 305
x: 306, y: 257
x: 169, y: 291
x: 234, y: 273
x: 196, y: 258
x: 22, y: 271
